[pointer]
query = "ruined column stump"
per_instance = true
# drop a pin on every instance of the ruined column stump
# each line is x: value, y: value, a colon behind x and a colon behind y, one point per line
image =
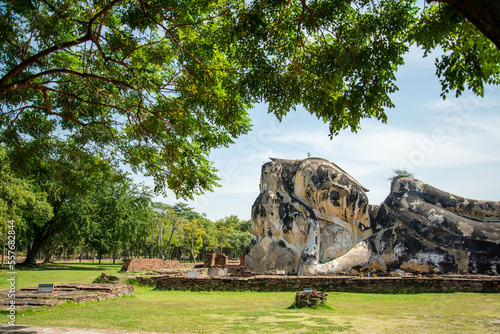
x: 310, y: 299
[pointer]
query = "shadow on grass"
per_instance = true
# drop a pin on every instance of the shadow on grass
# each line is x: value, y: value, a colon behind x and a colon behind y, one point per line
x: 294, y: 306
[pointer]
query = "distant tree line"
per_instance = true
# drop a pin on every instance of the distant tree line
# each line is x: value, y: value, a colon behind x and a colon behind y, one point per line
x: 67, y: 205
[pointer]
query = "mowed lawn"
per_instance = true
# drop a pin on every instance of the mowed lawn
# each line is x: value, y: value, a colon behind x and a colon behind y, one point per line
x: 257, y: 312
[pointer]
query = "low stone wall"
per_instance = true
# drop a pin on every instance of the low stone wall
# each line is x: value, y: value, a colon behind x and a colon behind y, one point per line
x: 326, y: 284
x: 148, y: 264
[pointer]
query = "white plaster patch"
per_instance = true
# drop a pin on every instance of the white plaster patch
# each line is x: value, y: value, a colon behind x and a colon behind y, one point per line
x: 433, y: 258
x: 358, y: 255
x: 415, y: 203
x: 435, y: 218
x: 399, y: 250
x: 419, y: 186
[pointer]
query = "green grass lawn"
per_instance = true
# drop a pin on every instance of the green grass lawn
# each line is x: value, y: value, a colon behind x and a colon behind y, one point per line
x: 259, y: 312
x: 58, y: 273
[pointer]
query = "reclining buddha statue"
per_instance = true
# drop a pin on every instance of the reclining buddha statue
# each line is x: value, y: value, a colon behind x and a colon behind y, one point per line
x: 313, y: 218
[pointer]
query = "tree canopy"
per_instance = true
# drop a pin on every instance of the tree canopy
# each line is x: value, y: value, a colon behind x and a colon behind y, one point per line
x: 142, y: 82
x: 158, y: 84
x: 484, y: 14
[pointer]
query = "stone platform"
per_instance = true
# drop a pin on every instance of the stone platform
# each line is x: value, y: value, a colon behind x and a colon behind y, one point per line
x: 78, y: 293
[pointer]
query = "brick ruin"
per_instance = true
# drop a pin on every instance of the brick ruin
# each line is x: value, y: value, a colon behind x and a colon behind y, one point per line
x: 310, y: 299
x: 215, y: 260
x: 219, y: 265
x: 148, y: 264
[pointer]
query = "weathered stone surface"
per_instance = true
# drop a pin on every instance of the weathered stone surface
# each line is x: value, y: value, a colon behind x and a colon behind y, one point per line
x: 217, y: 271
x: 310, y: 299
x: 421, y: 227
x: 311, y: 218
x: 109, y: 279
x: 78, y: 293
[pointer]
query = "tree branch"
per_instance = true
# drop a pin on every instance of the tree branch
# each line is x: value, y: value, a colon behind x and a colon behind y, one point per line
x: 33, y: 59
x: 85, y: 101
x: 484, y: 14
x: 26, y: 82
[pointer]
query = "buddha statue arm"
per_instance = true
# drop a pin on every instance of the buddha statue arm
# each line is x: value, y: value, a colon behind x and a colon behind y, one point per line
x: 469, y: 208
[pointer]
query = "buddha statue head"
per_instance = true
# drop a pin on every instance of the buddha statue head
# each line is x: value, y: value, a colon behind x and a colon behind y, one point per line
x: 308, y: 210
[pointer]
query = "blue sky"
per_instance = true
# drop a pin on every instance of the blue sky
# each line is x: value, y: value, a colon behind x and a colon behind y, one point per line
x: 453, y: 145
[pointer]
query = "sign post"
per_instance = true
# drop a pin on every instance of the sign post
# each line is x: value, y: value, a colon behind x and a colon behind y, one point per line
x: 45, y: 288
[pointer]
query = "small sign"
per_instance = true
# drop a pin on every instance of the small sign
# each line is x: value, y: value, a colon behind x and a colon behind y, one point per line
x: 308, y: 290
x: 45, y: 288
x: 192, y: 274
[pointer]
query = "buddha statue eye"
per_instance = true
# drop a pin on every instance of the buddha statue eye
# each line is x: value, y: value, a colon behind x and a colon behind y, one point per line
x: 334, y: 196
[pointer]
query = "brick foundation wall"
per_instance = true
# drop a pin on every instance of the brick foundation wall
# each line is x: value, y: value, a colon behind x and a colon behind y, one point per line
x: 148, y: 264
x: 325, y: 284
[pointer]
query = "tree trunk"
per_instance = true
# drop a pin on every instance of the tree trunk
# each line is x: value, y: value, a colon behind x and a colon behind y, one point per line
x: 40, y: 238
x: 160, y: 241
x: 174, y: 227
x: 484, y: 14
x: 193, y: 253
x: 48, y: 255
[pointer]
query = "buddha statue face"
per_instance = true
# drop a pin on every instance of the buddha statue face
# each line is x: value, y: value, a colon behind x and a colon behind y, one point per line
x: 302, y: 197
x: 335, y: 197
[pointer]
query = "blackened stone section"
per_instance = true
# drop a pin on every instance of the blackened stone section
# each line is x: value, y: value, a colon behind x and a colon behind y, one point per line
x: 334, y: 197
x: 253, y: 242
x: 484, y: 263
x: 288, y: 214
x: 436, y: 230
